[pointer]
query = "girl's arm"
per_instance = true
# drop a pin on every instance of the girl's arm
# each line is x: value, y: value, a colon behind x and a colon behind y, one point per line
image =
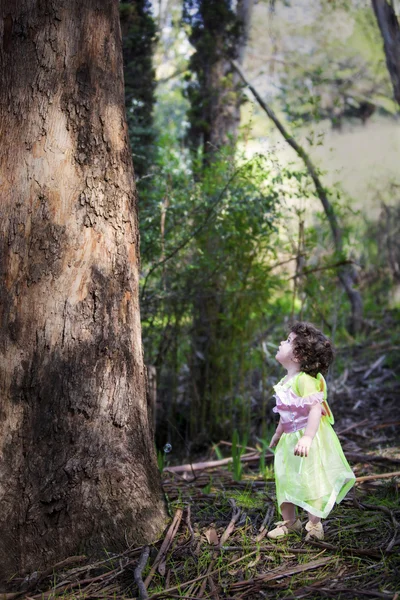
x: 303, y: 446
x: 277, y: 435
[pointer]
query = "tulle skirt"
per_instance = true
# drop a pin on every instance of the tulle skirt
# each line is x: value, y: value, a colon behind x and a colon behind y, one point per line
x: 317, y: 481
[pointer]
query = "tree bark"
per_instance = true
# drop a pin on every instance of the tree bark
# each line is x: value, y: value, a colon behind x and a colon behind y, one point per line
x: 390, y: 30
x: 78, y: 469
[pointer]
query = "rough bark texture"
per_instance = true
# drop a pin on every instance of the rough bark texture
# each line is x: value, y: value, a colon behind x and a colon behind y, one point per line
x: 390, y: 30
x: 77, y: 463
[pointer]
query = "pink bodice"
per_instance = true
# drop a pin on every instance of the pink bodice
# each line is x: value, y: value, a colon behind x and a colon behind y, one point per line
x: 294, y: 409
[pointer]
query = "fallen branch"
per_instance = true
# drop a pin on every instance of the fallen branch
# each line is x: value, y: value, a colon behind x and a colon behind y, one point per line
x: 279, y: 573
x: 265, y: 524
x: 143, y: 595
x: 269, y: 548
x: 354, y: 456
x: 353, y: 426
x: 237, y: 446
x: 372, y: 368
x: 388, y: 512
x: 165, y: 545
x: 381, y: 476
x: 361, y: 593
x: 211, y: 464
x: 201, y: 577
x: 353, y: 551
x: 235, y: 516
x: 384, y: 425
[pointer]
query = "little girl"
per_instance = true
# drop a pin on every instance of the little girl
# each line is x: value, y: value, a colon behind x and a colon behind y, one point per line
x: 311, y: 470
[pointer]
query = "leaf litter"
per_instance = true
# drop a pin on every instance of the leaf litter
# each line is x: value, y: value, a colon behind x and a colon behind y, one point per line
x: 216, y: 546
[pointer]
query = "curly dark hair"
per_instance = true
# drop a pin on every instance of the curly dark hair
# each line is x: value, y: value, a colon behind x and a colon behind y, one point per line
x: 312, y: 348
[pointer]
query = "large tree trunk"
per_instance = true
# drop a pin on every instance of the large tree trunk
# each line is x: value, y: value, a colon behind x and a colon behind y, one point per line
x: 77, y: 462
x: 390, y: 30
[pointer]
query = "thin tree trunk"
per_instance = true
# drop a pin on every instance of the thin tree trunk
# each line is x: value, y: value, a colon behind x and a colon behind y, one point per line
x: 390, y: 30
x: 226, y: 96
x: 346, y: 273
x: 215, y: 120
x: 78, y: 469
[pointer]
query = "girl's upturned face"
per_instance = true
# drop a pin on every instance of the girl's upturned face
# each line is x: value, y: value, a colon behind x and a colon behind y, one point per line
x: 285, y: 354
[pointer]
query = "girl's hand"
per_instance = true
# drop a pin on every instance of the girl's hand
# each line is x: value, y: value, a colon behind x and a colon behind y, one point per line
x: 303, y: 446
x: 275, y: 439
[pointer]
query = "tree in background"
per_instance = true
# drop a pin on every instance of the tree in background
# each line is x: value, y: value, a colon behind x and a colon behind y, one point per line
x: 218, y: 33
x: 338, y: 74
x: 78, y: 469
x: 138, y: 39
x: 390, y: 28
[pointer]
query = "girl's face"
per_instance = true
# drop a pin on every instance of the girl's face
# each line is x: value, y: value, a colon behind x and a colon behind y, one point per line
x: 285, y: 353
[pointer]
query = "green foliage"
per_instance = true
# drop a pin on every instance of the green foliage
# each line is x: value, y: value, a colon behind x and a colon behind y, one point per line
x: 264, y: 443
x: 160, y: 460
x: 380, y: 256
x: 138, y: 39
x: 236, y: 205
x: 238, y: 449
x: 345, y: 75
x: 218, y: 452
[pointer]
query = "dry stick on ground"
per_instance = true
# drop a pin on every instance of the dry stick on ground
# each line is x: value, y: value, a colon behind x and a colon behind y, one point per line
x: 388, y: 512
x: 165, y: 545
x: 235, y: 516
x: 270, y: 575
x: 200, y: 578
x: 353, y: 426
x: 345, y: 275
x: 238, y: 446
x: 274, y: 548
x: 265, y: 524
x: 143, y: 595
x: 279, y: 573
x: 369, y: 458
x: 360, y: 592
x: 231, y: 526
x: 41, y: 576
x: 68, y: 585
x: 381, y: 476
x: 374, y: 366
x: 383, y: 425
x: 210, y: 464
x: 189, y: 523
x: 213, y: 589
x: 352, y: 551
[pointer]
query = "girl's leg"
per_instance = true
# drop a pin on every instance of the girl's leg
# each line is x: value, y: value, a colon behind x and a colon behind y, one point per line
x: 313, y: 519
x: 288, y: 511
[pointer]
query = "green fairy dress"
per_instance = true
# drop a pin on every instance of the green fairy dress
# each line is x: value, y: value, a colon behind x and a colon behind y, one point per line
x: 322, y: 478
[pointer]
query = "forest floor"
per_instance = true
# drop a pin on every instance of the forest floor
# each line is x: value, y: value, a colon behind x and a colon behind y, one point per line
x: 216, y: 545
